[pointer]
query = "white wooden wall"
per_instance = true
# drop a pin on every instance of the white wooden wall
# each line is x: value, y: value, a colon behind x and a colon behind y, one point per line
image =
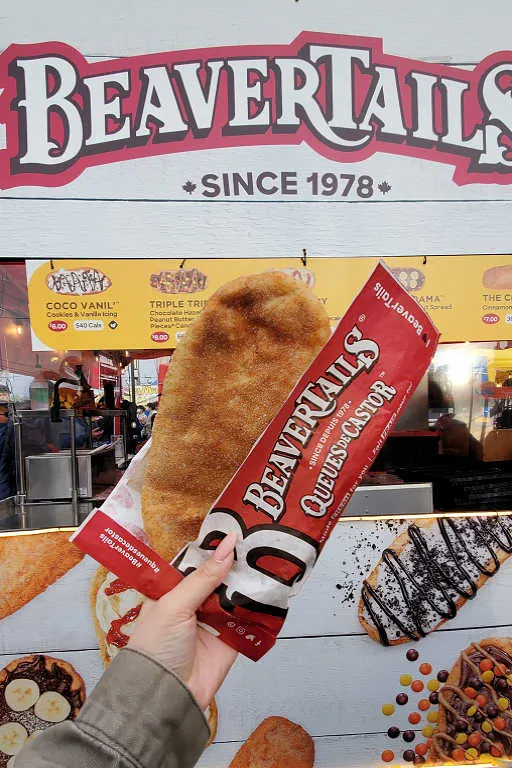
x: 324, y: 672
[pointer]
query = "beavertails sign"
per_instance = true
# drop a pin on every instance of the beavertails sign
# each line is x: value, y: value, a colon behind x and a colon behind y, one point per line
x: 340, y: 94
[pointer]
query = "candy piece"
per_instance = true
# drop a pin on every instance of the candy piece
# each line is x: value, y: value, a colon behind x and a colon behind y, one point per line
x: 470, y: 711
x: 443, y: 675
x: 421, y: 749
x: 500, y: 723
x: 434, y: 698
x: 412, y: 654
x: 486, y: 664
x: 425, y: 668
x: 433, y: 685
x: 500, y: 670
x: 471, y: 753
x: 509, y: 679
x: 486, y: 726
x: 497, y: 750
x: 461, y: 724
x: 474, y: 682
x: 432, y: 717
x: 388, y: 756
x: 417, y: 686
x: 423, y: 704
x: 408, y: 735
x: 388, y: 709
x: 414, y: 718
x: 492, y: 711
x: 405, y: 680
x: 474, y: 739
x: 481, y: 700
x: 461, y: 738
x: 503, y: 703
x: 427, y: 731
x: 409, y: 755
x: 418, y: 760
x: 402, y: 698
x: 393, y: 732
x: 470, y: 692
x: 501, y: 684
x: 458, y: 754
x: 479, y: 717
x: 487, y: 676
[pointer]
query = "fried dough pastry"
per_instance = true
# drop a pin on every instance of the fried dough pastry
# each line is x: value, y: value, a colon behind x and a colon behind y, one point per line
x: 235, y: 367
x: 489, y: 704
x: 30, y: 563
x: 276, y: 743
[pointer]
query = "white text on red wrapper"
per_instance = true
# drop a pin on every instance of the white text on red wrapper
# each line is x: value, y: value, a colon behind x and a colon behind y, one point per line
x: 318, y: 400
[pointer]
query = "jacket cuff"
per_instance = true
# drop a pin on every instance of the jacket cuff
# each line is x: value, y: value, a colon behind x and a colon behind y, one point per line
x: 143, y: 707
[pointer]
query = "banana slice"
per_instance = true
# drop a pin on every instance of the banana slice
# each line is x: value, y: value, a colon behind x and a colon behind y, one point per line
x: 12, y: 738
x: 21, y: 694
x: 52, y: 707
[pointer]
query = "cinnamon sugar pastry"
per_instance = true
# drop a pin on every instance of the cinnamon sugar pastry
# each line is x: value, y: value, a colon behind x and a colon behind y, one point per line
x: 276, y: 743
x: 429, y: 572
x: 478, y: 707
x: 238, y: 362
x: 30, y: 563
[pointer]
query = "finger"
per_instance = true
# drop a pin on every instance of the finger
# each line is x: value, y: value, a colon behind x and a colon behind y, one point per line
x: 195, y: 588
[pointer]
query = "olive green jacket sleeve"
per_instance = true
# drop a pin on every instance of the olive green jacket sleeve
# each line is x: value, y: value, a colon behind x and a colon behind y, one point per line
x: 139, y: 716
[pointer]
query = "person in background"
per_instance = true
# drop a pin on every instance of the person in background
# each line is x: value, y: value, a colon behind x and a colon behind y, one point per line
x: 147, y: 709
x: 7, y: 463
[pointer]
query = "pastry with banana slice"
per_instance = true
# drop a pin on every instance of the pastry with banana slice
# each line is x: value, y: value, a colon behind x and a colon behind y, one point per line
x: 36, y: 691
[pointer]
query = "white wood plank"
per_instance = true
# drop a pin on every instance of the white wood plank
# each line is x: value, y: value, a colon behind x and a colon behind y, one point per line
x: 43, y: 229
x: 331, y: 686
x: 361, y: 751
x: 462, y: 31
x: 162, y: 178
x: 56, y: 620
x: 327, y: 605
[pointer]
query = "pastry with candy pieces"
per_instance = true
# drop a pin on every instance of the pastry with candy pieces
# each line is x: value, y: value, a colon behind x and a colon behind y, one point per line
x: 475, y: 706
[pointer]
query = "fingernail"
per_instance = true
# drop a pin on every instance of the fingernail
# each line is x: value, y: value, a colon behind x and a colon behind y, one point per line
x: 225, y: 548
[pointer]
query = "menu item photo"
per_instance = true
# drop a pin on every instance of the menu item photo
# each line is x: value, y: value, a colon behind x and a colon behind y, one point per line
x: 428, y: 573
x: 475, y: 713
x: 29, y: 564
x: 276, y: 743
x: 36, y: 692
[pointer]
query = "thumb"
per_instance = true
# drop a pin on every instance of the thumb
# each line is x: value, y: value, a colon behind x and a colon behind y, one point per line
x: 193, y: 590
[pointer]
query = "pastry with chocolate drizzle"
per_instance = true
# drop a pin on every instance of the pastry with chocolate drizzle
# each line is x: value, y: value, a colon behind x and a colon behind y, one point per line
x: 429, y: 572
x: 36, y: 691
x: 475, y: 706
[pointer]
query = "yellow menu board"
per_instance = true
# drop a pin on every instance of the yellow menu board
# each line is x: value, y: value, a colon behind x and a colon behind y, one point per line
x: 149, y: 303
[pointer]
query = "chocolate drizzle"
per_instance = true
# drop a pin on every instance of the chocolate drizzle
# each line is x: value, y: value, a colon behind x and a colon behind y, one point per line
x: 423, y: 584
x: 50, y: 675
x: 468, y: 715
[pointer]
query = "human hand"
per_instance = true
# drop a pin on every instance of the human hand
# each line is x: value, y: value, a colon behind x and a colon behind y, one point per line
x: 167, y: 629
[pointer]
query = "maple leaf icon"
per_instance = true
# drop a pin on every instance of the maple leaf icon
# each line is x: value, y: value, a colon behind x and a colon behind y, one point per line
x: 384, y: 187
x: 189, y: 187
